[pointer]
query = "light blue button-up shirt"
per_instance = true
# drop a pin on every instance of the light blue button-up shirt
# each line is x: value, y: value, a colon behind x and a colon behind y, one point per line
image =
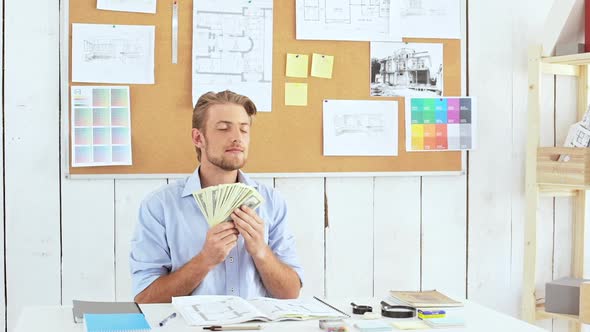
x: 172, y: 230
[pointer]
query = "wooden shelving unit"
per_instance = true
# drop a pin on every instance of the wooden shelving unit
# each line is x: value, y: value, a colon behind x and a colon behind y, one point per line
x: 572, y: 183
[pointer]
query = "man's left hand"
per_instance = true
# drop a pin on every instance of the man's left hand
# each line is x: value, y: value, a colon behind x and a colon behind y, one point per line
x: 251, y: 226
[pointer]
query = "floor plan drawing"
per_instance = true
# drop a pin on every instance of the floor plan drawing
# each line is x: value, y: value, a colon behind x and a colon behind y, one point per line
x: 347, y: 20
x: 232, y: 49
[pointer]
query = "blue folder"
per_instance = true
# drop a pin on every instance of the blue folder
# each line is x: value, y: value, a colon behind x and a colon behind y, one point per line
x: 115, y: 322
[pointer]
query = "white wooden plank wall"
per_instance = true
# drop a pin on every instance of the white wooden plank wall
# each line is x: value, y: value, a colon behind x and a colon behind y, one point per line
x: 397, y: 234
x: 385, y: 232
x: 444, y: 234
x: 31, y: 167
x: 88, y: 240
x: 128, y: 196
x: 305, y: 199
x: 491, y: 169
x: 2, y: 132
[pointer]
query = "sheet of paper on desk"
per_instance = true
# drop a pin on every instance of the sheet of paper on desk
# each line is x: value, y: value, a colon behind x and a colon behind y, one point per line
x: 108, y: 53
x: 410, y: 325
x: 138, y: 6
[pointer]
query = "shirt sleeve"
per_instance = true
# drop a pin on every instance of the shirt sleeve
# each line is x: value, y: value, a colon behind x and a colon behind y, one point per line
x: 150, y: 255
x: 280, y: 240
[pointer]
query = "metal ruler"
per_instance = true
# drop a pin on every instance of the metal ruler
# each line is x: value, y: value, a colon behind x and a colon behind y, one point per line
x: 175, y: 31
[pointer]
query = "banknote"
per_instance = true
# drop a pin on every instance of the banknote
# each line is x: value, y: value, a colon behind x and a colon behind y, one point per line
x: 218, y: 202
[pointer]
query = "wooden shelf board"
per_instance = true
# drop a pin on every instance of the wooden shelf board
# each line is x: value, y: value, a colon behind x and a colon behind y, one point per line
x: 542, y: 314
x: 559, y: 190
x: 573, y: 59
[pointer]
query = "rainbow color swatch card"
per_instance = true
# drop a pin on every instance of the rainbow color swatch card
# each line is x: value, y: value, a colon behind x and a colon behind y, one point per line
x: 101, y: 126
x: 441, y: 124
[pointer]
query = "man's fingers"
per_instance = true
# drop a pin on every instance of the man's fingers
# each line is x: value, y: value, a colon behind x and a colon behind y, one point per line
x: 245, y: 209
x: 222, y: 227
x: 245, y: 227
x: 229, y: 239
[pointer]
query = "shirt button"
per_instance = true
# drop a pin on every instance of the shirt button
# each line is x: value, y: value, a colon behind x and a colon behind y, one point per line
x: 231, y: 259
x: 231, y: 290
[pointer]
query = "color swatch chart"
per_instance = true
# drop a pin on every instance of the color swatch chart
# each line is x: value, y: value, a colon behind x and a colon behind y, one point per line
x: 101, y: 126
x: 440, y: 124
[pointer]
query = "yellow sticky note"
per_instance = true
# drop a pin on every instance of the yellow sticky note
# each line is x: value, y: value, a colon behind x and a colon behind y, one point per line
x: 297, y: 65
x: 321, y: 65
x: 296, y: 94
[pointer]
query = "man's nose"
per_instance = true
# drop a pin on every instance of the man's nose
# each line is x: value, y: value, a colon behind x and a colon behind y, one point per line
x: 237, y: 135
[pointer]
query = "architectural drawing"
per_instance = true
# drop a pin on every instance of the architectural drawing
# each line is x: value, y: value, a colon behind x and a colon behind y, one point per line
x: 139, y: 6
x: 430, y: 18
x: 107, y: 53
x: 360, y: 127
x: 101, y: 49
x: 577, y: 136
x: 358, y: 123
x: 345, y: 20
x: 227, y: 309
x: 419, y: 8
x: 232, y: 49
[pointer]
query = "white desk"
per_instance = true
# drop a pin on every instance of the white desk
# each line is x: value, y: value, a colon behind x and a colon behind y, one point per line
x: 59, y: 319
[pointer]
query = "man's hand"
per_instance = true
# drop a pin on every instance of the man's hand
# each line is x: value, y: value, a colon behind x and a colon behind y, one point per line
x: 251, y: 227
x: 220, y: 240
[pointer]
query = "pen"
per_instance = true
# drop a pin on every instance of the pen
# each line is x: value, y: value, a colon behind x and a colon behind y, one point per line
x: 172, y: 315
x: 232, y: 328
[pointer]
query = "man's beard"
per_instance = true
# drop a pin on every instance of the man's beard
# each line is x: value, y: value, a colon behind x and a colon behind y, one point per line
x: 226, y: 164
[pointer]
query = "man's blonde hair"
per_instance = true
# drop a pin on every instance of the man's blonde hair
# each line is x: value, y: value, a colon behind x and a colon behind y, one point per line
x: 215, y: 98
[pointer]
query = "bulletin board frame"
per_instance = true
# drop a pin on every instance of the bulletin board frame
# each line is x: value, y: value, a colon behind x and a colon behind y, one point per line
x: 307, y: 159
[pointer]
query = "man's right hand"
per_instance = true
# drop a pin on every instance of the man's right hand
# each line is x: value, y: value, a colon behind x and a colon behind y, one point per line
x: 220, y: 240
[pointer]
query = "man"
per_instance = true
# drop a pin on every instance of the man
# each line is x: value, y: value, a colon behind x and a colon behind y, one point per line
x: 175, y: 253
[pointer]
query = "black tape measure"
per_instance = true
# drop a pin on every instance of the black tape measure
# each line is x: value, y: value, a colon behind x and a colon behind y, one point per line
x: 360, y: 309
x: 397, y: 311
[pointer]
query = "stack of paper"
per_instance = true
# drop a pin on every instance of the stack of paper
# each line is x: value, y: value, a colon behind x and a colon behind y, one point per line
x: 424, y: 299
x: 218, y: 202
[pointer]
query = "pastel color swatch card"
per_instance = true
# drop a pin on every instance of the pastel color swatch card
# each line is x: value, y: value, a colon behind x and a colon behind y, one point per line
x: 441, y: 124
x: 100, y: 126
x: 322, y: 65
x: 297, y: 65
x: 296, y: 94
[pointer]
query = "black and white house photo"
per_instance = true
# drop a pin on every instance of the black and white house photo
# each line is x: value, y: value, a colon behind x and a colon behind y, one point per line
x: 406, y: 69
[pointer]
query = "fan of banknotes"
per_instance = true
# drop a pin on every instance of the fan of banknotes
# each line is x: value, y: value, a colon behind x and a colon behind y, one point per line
x: 218, y: 202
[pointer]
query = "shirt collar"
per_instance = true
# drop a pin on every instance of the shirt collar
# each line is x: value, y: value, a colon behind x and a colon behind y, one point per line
x: 193, y: 183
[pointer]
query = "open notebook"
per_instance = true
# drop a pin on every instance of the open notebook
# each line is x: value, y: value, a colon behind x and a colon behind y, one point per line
x: 220, y: 310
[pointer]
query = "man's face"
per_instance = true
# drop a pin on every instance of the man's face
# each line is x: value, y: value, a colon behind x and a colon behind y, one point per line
x: 226, y: 137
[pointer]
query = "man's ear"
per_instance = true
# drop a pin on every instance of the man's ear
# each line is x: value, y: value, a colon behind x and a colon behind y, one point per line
x: 198, y: 138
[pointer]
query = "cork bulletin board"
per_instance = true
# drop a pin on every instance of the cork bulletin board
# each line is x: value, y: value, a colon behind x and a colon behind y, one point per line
x: 286, y: 140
